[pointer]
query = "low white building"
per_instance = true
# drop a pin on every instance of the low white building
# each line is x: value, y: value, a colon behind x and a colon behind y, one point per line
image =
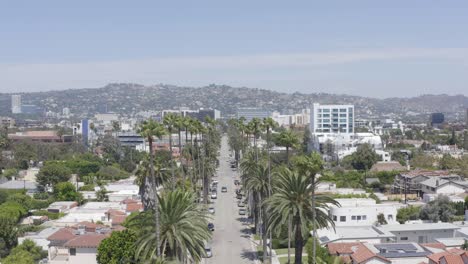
x: 362, y: 212
x: 367, y: 234
x: 61, y: 206
x: 40, y: 238
x: 420, y: 233
x: 91, y: 212
x: 434, y: 185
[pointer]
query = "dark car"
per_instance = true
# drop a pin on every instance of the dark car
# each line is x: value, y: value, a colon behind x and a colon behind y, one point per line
x: 224, y: 189
x: 211, y: 226
x: 236, y: 182
x: 239, y: 196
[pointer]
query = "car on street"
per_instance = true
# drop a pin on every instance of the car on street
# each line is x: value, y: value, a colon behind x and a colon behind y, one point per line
x: 211, y: 210
x: 214, y: 195
x: 211, y: 226
x: 224, y: 189
x: 208, y: 252
x: 241, y: 204
x: 242, y: 211
x: 239, y: 196
x: 236, y: 182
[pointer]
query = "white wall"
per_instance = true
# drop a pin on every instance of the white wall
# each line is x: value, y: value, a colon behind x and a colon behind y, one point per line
x: 426, y: 236
x: 84, y: 255
x: 364, y: 211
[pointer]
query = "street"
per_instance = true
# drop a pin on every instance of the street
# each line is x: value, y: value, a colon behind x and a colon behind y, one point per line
x: 231, y: 238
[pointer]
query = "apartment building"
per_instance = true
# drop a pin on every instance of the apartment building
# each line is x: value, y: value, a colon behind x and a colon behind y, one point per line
x: 332, y: 119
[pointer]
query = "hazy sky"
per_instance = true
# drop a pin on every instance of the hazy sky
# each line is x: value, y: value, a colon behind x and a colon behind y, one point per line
x: 371, y: 48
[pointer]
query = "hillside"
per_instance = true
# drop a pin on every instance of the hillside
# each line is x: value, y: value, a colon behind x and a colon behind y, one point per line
x: 132, y: 98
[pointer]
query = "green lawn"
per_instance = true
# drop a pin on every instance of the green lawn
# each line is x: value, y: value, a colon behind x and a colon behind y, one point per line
x: 284, y: 260
x: 281, y: 251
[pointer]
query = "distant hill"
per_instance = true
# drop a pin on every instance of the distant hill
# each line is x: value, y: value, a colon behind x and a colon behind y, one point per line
x: 129, y: 98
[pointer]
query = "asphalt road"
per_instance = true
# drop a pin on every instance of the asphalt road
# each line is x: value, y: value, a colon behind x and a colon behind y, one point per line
x: 231, y: 239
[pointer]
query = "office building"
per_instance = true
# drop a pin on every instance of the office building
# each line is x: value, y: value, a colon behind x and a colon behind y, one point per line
x: 332, y: 119
x: 16, y: 104
x: 437, y: 119
x: 252, y: 112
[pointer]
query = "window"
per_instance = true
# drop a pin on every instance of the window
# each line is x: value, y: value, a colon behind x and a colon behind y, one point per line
x: 335, y: 110
x: 334, y: 218
x: 342, y: 115
x: 343, y: 120
x: 342, y: 218
x: 353, y: 217
x: 326, y: 110
x: 342, y: 110
x: 390, y: 217
x: 358, y: 217
x: 326, y: 115
x: 404, y: 238
x: 72, y: 251
x: 364, y: 217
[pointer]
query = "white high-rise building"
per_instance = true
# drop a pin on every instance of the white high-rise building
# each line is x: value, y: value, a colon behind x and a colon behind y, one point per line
x: 66, y: 112
x: 332, y: 119
x: 16, y: 104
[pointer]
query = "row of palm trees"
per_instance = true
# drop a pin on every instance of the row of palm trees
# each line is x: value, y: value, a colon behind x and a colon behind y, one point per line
x: 173, y: 224
x: 282, y: 195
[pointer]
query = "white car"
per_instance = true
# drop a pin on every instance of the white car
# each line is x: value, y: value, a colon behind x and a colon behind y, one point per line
x: 211, y: 210
x: 214, y: 196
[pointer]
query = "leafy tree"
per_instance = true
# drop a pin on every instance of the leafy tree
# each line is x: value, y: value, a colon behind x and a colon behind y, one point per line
x: 66, y: 191
x: 19, y: 257
x: 112, y: 173
x: 465, y: 245
x: 465, y: 140
x: 381, y: 219
x: 101, y: 195
x: 364, y: 157
x: 52, y: 174
x: 447, y: 162
x: 118, y: 248
x: 34, y: 251
x: 422, y: 161
x: 12, y: 210
x: 408, y: 213
x: 440, y: 209
x: 8, y: 234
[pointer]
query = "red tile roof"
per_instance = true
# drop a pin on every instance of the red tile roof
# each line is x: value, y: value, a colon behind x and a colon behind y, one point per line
x: 86, y: 241
x: 118, y: 219
x: 63, y: 234
x: 451, y: 256
x: 134, y: 207
x: 433, y: 245
x: 129, y: 201
x: 358, y: 252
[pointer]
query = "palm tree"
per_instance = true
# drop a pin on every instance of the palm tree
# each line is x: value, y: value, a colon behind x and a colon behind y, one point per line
x: 143, y: 172
x: 179, y: 124
x: 169, y: 121
x: 269, y: 124
x: 287, y: 139
x: 183, y: 228
x: 258, y: 183
x: 186, y: 121
x: 310, y: 165
x: 148, y: 130
x: 291, y: 199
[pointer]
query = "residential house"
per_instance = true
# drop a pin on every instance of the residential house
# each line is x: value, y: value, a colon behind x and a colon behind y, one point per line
x: 420, y: 233
x: 356, y: 253
x: 362, y: 212
x: 410, y: 182
x: 367, y: 234
x: 451, y: 256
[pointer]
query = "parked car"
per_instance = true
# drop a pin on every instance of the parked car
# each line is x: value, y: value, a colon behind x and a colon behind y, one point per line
x: 242, y: 211
x: 236, y: 182
x: 211, y: 226
x: 241, y: 204
x: 224, y: 189
x: 211, y: 210
x: 208, y: 252
x: 239, y: 196
x: 214, y: 195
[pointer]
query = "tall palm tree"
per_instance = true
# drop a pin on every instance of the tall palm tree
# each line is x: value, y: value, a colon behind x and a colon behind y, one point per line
x: 310, y: 165
x: 143, y: 172
x: 287, y: 139
x: 258, y: 183
x: 291, y: 199
x: 186, y: 121
x: 269, y: 124
x: 183, y: 231
x: 148, y: 130
x: 170, y: 121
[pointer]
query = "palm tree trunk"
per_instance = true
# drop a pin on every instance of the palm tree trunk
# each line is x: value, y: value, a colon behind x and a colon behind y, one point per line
x: 265, y: 235
x: 172, y: 163
x: 156, y: 199
x: 314, y: 228
x: 299, y: 241
x: 289, y: 238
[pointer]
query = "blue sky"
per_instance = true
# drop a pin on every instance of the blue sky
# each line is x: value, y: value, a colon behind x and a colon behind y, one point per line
x: 372, y: 48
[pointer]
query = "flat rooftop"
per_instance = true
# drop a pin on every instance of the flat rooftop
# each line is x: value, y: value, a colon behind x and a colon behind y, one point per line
x: 351, y: 233
x: 418, y: 227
